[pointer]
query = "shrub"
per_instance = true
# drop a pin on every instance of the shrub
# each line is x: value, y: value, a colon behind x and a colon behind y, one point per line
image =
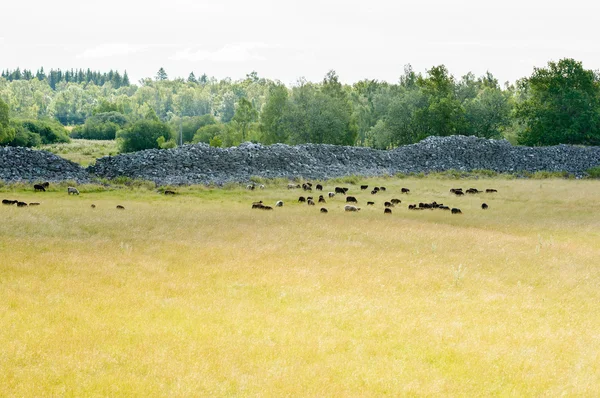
x: 216, y: 142
x: 50, y: 131
x: 103, y: 126
x: 142, y: 135
x: 594, y: 172
x: 206, y: 133
x: 191, y: 124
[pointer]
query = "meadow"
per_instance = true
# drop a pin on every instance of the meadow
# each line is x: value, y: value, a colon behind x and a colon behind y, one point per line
x: 84, y: 152
x: 199, y: 295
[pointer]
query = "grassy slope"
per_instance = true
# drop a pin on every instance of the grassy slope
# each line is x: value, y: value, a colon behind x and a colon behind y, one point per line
x: 199, y: 295
x: 84, y: 152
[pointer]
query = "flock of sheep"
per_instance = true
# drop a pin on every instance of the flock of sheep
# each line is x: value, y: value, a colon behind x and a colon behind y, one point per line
x: 352, y: 202
x: 42, y: 188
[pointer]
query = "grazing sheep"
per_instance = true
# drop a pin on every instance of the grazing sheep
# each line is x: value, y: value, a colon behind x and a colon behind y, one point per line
x: 46, y: 184
x: 456, y: 211
x: 309, y: 198
x: 388, y: 204
x: 93, y: 206
x: 250, y: 187
x: 322, y: 199
x: 458, y: 192
x: 363, y: 187
x: 331, y: 194
x: 340, y: 190
x: 34, y: 204
x: 373, y: 192
x: 266, y: 208
x: 370, y: 203
x: 39, y: 188
x: 261, y: 186
x: 310, y: 202
x: 119, y: 207
x: 412, y: 207
x: 444, y: 208
x: 169, y: 192
x: 293, y: 186
x: 306, y: 187
x: 453, y: 190
x: 257, y: 205
x: 405, y: 190
x: 72, y: 190
x: 351, y: 199
x: 376, y: 189
x: 279, y: 203
x: 9, y: 202
x: 491, y: 190
x: 387, y: 211
x: 21, y: 204
x: 323, y: 210
x: 351, y: 208
x: 382, y: 189
x: 396, y: 201
x: 484, y: 206
x: 319, y: 187
x: 301, y: 199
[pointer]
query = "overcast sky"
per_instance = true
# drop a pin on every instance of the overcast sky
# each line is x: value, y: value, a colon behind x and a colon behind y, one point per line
x: 288, y: 39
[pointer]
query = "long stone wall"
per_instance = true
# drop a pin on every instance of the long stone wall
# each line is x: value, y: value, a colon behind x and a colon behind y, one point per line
x: 202, y: 164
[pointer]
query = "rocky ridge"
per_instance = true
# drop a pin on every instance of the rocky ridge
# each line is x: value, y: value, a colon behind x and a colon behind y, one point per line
x: 202, y: 164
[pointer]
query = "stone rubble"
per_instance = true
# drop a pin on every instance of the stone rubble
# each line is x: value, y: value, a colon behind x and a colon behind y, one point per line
x: 202, y: 164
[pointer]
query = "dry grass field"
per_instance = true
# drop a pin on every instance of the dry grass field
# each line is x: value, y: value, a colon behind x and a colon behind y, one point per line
x: 84, y: 152
x: 198, y: 295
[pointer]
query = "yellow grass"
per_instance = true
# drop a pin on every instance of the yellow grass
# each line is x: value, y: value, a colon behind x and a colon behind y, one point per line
x: 84, y: 152
x: 198, y: 295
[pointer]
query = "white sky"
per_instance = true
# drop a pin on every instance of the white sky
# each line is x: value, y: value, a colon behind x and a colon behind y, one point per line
x: 288, y: 39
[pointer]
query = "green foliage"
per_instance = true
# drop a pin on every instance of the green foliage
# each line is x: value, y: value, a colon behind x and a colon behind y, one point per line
x: 49, y: 131
x: 244, y: 115
x: 164, y: 144
x: 557, y: 104
x: 102, y: 126
x: 7, y: 132
x: 106, y: 106
x: 561, y: 105
x: 161, y: 75
x: 142, y: 135
x: 207, y: 133
x: 216, y: 142
x: 594, y: 172
x: 272, y: 123
x: 190, y: 125
x: 23, y: 137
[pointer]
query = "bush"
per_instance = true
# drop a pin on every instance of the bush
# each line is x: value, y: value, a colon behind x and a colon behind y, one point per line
x: 216, y: 142
x: 594, y: 172
x: 191, y: 124
x: 103, y: 126
x: 142, y: 135
x: 206, y: 133
x: 50, y: 132
x: 24, y: 137
x: 164, y: 144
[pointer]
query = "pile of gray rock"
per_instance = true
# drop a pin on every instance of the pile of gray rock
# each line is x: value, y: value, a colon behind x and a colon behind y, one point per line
x: 24, y: 164
x: 202, y: 164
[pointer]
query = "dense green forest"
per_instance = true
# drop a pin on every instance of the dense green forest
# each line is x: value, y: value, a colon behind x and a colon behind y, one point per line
x: 558, y: 103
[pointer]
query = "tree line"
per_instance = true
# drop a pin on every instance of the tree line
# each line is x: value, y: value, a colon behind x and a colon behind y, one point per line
x: 56, y: 76
x: 558, y: 103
